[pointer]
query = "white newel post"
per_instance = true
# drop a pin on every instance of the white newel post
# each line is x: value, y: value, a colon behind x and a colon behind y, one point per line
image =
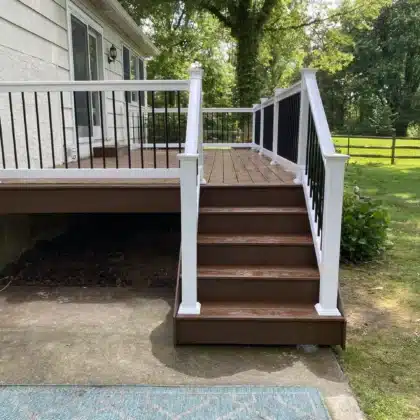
x: 331, y: 235
x: 262, y: 125
x: 188, y: 179
x: 303, y: 124
x: 277, y: 92
x: 254, y: 121
x: 196, y: 77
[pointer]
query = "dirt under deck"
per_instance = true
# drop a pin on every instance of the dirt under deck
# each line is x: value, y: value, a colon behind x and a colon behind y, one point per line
x: 54, y: 334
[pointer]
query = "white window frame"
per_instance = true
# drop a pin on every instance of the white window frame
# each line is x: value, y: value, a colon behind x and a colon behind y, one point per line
x: 78, y: 13
x: 131, y: 53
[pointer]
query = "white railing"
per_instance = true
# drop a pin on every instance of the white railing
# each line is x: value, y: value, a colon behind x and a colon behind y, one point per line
x: 300, y: 140
x: 326, y: 228
x: 51, y: 129
x: 192, y: 166
x: 222, y: 127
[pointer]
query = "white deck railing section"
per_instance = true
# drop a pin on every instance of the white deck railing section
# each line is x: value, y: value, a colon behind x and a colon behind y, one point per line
x: 300, y: 140
x: 192, y: 166
x: 40, y: 136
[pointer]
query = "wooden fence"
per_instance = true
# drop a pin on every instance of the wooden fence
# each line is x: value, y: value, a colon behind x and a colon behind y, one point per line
x: 388, y: 147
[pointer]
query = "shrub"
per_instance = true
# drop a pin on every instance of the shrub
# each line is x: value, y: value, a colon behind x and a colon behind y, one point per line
x: 364, y: 229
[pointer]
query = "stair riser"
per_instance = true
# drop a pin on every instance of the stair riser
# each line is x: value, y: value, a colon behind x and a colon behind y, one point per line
x: 286, y: 255
x: 258, y: 290
x: 260, y: 332
x: 254, y: 223
x: 252, y: 196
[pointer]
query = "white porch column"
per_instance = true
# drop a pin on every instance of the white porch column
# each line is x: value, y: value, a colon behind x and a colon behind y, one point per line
x: 262, y: 125
x: 188, y: 179
x: 331, y: 235
x: 277, y: 92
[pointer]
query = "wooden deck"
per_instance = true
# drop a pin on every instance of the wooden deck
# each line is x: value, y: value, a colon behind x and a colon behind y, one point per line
x: 241, y: 167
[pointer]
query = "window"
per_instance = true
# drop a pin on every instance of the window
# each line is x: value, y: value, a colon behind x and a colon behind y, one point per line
x: 133, y: 70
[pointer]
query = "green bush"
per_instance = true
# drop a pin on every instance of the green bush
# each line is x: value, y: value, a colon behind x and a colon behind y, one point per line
x: 364, y: 229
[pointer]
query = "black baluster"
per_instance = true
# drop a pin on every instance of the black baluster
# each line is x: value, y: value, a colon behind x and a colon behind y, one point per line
x: 153, y: 128
x: 141, y: 135
x: 115, y: 129
x: 38, y: 129
x: 25, y: 125
x: 3, y: 157
x: 77, y: 132
x: 179, y: 121
x: 166, y: 128
x: 127, y: 120
x: 89, y: 128
x: 51, y: 129
x: 13, y: 130
x: 63, y: 123
x: 102, y: 129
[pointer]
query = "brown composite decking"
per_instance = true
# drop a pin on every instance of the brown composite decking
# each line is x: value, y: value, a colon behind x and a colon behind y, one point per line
x: 241, y: 167
x: 221, y: 166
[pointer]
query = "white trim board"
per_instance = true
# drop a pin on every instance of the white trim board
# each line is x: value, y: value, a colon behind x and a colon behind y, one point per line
x: 88, y: 173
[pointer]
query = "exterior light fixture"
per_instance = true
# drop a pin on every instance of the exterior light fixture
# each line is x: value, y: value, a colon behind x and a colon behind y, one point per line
x: 112, y: 55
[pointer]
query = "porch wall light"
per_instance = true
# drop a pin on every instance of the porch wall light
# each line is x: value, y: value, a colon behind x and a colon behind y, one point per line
x: 112, y: 55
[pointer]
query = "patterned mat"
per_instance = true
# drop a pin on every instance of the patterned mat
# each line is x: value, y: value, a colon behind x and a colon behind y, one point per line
x: 160, y: 403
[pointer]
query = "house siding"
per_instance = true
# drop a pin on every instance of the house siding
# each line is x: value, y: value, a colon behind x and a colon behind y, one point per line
x: 35, y: 46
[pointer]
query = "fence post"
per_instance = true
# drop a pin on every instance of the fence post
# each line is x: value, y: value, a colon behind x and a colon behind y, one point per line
x: 277, y: 92
x: 331, y: 235
x: 303, y: 124
x: 188, y: 180
x: 262, y: 126
x: 394, y: 141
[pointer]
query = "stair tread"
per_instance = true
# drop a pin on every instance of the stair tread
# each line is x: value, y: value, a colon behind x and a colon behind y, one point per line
x: 257, y: 239
x: 257, y: 272
x: 251, y: 210
x: 259, y: 310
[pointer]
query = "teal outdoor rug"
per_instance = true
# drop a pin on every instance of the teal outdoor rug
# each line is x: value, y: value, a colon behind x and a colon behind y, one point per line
x: 160, y: 403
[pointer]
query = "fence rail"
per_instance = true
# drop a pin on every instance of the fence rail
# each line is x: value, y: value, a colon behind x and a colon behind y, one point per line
x: 392, y: 147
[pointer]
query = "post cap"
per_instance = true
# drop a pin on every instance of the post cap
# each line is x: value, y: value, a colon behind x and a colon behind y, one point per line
x: 196, y: 71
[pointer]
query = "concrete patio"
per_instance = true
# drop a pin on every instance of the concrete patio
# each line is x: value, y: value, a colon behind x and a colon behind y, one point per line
x: 124, y: 336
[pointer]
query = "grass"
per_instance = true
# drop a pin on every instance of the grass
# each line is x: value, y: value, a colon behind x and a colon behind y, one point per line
x: 342, y: 142
x: 382, y: 299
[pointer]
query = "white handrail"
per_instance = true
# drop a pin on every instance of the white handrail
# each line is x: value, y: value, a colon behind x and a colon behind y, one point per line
x: 205, y: 110
x: 334, y: 166
x: 95, y: 85
x: 318, y: 112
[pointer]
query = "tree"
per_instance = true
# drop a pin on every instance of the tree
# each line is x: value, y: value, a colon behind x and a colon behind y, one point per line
x: 387, y: 61
x: 245, y: 19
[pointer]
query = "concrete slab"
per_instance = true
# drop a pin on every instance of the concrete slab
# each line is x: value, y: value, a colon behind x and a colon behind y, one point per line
x: 113, y: 336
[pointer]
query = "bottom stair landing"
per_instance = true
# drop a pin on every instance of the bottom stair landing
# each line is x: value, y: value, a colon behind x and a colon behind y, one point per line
x: 258, y: 279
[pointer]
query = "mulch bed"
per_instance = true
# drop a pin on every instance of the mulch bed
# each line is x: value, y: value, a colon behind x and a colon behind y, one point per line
x: 104, y: 251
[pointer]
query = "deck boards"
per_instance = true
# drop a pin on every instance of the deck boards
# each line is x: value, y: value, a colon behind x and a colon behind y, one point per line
x: 221, y: 166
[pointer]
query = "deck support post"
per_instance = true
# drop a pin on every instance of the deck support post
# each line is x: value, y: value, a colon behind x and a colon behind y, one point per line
x: 331, y: 235
x: 303, y: 126
x: 189, y: 221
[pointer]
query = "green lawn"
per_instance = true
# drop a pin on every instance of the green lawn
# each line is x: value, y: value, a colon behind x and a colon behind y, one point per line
x: 342, y: 142
x: 382, y: 300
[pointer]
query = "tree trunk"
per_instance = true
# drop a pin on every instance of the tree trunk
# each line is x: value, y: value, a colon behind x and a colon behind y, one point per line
x: 247, y: 75
x: 401, y: 127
